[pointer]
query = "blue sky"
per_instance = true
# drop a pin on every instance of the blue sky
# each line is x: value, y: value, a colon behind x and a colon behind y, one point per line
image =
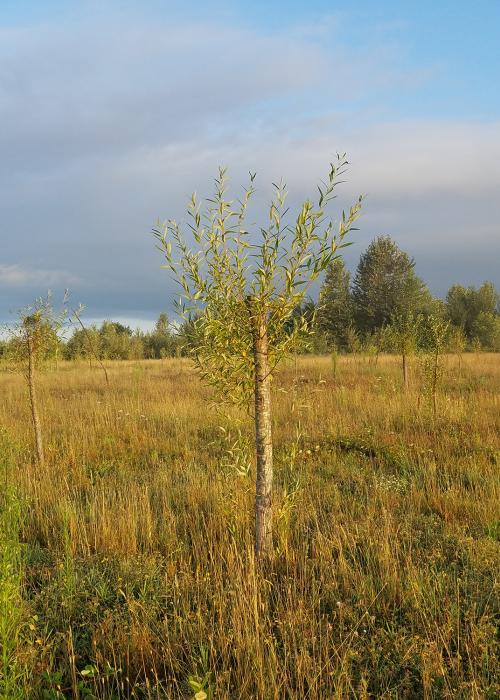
x: 113, y: 112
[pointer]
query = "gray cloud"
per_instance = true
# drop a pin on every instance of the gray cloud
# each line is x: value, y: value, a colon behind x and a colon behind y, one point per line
x: 104, y: 130
x: 76, y: 91
x: 18, y: 276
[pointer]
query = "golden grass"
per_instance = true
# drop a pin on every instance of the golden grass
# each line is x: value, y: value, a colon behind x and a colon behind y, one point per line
x: 138, y: 535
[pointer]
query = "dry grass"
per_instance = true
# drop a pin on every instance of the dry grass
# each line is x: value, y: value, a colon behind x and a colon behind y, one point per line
x: 138, y: 536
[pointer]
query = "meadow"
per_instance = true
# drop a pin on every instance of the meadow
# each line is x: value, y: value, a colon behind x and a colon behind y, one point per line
x: 127, y: 566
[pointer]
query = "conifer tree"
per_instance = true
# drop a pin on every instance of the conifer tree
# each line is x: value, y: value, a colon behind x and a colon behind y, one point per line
x: 335, y: 313
x: 385, y: 284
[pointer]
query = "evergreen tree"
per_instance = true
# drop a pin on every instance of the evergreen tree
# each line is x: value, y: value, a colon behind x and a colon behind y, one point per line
x: 457, y: 306
x: 386, y: 284
x: 335, y: 313
x: 162, y: 324
x: 161, y: 342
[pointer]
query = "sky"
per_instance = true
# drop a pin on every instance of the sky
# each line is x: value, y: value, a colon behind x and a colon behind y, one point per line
x: 112, y: 113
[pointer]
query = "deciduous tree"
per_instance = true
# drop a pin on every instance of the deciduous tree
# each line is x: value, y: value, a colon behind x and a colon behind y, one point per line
x: 34, y: 338
x: 403, y: 334
x: 465, y: 304
x: 245, y: 288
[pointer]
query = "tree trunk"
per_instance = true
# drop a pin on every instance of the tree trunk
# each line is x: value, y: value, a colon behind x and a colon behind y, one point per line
x: 434, y: 383
x: 34, y: 409
x: 405, y: 371
x: 334, y: 360
x: 263, y: 440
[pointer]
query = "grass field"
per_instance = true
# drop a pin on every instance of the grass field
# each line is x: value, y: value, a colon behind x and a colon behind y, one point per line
x: 127, y: 567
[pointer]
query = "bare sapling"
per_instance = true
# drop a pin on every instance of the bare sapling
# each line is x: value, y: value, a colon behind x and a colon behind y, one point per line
x: 241, y: 290
x: 335, y: 357
x: 403, y: 334
x: 31, y: 348
x: 457, y: 342
x: 92, y: 351
x: 436, y: 338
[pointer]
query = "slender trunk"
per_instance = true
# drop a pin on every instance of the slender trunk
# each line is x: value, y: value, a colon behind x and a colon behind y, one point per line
x: 34, y: 409
x: 405, y: 371
x: 434, y: 383
x: 263, y: 440
x: 334, y: 360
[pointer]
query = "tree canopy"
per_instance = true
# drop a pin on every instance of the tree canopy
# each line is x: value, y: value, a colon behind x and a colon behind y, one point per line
x: 386, y: 284
x: 335, y: 313
x: 464, y: 305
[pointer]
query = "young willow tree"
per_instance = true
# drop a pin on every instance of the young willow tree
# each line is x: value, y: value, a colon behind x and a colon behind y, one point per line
x: 436, y: 340
x: 33, y: 340
x: 244, y: 290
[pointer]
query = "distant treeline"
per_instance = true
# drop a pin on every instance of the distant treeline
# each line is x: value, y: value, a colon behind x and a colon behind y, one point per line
x: 385, y: 292
x: 115, y: 341
x: 351, y: 315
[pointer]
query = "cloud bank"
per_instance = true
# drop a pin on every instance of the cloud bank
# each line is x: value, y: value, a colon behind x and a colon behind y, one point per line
x: 107, y: 127
x: 18, y: 276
